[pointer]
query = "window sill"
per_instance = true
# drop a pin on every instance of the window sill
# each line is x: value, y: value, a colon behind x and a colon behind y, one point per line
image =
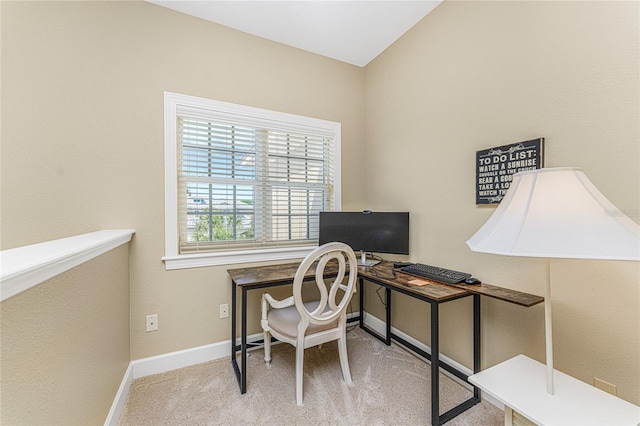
x: 28, y: 266
x: 198, y: 260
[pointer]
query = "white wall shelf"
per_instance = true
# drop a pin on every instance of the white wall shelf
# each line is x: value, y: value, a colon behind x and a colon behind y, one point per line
x: 25, y: 267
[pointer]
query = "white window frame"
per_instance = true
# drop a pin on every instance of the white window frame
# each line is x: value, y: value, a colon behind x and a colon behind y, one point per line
x: 173, y: 102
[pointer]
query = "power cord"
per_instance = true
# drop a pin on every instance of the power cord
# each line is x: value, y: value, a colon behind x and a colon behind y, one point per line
x: 350, y: 310
x: 380, y: 297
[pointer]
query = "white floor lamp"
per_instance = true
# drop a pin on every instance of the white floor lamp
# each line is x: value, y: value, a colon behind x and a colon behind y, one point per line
x: 557, y: 213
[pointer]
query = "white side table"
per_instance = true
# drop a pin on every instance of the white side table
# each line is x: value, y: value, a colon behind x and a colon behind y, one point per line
x: 521, y: 384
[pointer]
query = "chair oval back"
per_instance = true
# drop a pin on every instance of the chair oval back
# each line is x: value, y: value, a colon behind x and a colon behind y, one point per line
x: 328, y: 309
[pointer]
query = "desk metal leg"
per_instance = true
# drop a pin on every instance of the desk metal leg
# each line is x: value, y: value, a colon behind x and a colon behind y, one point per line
x: 388, y: 309
x: 234, y: 348
x: 476, y: 366
x: 361, y: 302
x: 435, y: 367
x: 243, y: 350
x: 388, y: 335
x: 476, y: 341
x: 241, y: 372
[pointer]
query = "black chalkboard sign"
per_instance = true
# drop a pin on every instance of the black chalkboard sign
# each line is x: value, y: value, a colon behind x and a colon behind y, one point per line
x: 495, y: 168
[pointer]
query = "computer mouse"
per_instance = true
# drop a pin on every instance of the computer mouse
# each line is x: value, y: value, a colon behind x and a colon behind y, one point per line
x: 472, y: 280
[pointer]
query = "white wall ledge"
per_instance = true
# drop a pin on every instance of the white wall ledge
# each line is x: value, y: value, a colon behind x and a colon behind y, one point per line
x: 25, y: 267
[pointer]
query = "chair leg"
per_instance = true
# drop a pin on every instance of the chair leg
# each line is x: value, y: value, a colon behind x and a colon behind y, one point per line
x: 299, y: 371
x: 344, y: 360
x: 267, y: 347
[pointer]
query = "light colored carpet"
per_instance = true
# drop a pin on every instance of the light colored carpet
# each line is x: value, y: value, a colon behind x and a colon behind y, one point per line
x: 390, y: 386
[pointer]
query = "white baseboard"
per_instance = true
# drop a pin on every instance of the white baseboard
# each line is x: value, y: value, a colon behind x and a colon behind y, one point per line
x: 113, y: 418
x: 167, y: 362
x: 180, y: 359
x: 174, y: 360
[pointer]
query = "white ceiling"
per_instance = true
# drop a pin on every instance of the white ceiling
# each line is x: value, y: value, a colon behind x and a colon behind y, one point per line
x: 350, y: 31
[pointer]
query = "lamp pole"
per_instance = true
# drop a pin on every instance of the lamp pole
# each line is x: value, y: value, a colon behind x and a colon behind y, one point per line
x: 548, y: 326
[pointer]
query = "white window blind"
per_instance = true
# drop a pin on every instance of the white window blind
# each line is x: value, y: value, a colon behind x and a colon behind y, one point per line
x: 246, y: 182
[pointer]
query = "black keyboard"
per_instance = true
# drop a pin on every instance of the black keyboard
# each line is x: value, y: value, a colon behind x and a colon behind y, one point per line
x: 436, y: 273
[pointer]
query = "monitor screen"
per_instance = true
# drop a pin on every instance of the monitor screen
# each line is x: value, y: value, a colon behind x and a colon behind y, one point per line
x: 380, y: 232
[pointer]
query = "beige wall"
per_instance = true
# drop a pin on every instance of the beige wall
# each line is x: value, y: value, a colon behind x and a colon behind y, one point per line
x: 82, y: 150
x: 474, y: 75
x: 82, y: 135
x: 65, y: 345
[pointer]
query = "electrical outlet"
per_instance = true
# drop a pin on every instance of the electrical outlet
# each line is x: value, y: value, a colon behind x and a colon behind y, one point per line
x: 605, y: 386
x: 224, y: 310
x: 152, y: 322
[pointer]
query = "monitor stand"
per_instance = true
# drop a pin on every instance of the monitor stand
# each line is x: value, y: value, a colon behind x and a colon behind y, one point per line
x: 363, y: 261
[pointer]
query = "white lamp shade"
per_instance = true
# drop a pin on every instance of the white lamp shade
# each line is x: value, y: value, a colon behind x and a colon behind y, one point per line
x: 557, y: 213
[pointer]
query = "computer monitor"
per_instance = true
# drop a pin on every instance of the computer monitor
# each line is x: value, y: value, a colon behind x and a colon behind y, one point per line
x: 367, y: 231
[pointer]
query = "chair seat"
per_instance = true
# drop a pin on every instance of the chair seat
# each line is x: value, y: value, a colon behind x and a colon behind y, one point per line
x: 285, y: 320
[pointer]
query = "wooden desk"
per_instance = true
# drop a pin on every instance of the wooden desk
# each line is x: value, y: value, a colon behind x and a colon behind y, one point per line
x: 382, y: 274
x: 436, y: 293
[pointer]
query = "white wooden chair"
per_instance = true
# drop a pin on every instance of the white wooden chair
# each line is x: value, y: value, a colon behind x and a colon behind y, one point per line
x: 306, y: 324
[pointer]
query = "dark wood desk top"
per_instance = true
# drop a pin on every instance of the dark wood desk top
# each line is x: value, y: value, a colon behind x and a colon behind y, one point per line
x: 508, y: 295
x: 269, y: 274
x: 278, y: 274
x: 440, y: 291
x: 433, y: 290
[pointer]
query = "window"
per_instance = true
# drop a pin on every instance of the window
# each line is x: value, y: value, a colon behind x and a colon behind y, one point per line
x: 244, y: 184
